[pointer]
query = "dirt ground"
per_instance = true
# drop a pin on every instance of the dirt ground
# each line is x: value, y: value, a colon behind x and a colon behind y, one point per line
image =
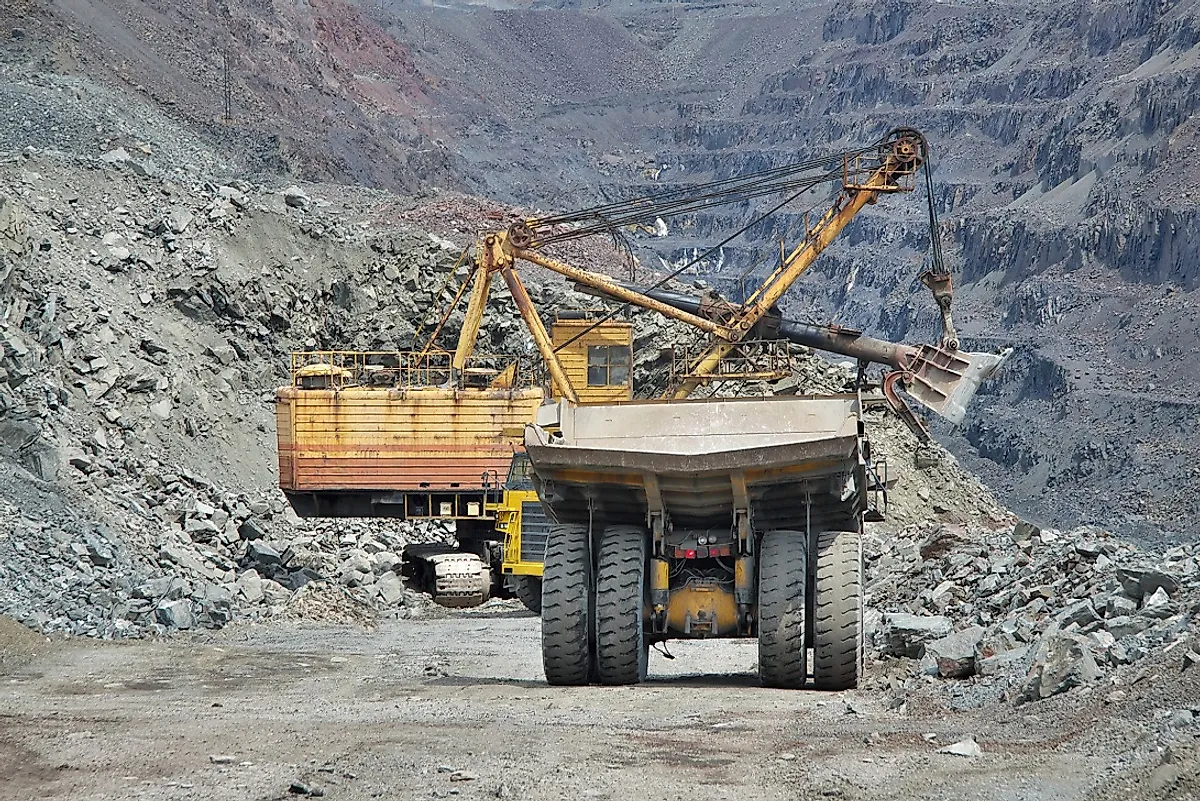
x: 458, y: 706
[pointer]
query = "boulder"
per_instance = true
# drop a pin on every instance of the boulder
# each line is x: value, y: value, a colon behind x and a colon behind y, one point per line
x: 955, y: 654
x: 1060, y: 662
x: 262, y: 554
x: 903, y: 634
x: 1138, y: 582
x: 295, y: 197
x: 390, y: 588
x: 1003, y: 663
x: 175, y: 614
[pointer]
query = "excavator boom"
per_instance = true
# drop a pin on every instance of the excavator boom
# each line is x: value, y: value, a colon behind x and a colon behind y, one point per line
x: 941, y: 378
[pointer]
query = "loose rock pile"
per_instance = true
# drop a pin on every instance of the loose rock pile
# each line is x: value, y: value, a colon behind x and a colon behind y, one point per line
x: 1025, y: 613
x: 145, y: 318
x: 214, y: 563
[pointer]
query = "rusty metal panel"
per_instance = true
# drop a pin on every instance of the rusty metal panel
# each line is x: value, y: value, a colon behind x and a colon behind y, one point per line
x: 283, y: 428
x: 394, y: 439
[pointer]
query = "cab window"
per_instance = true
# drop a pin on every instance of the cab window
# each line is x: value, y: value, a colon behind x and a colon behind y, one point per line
x: 608, y: 365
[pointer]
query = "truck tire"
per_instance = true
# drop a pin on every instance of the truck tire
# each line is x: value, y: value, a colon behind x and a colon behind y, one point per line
x: 782, y: 577
x: 838, y: 611
x: 567, y: 652
x: 622, y: 650
x: 528, y: 590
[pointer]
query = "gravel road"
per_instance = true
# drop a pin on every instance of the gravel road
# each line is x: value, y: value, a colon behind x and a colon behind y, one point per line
x: 457, y: 706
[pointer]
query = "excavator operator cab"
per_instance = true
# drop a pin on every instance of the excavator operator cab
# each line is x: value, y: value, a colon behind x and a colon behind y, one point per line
x: 596, y: 355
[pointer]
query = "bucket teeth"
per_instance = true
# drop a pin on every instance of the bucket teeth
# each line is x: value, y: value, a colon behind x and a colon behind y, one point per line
x: 944, y: 381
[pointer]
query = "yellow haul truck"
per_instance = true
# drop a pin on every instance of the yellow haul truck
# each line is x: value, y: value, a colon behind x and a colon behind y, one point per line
x: 522, y: 522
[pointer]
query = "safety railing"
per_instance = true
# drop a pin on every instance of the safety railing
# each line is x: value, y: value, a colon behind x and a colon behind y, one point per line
x: 339, y: 369
x: 756, y: 360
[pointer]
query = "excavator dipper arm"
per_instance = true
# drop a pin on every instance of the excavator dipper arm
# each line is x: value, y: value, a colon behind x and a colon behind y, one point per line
x: 901, y: 155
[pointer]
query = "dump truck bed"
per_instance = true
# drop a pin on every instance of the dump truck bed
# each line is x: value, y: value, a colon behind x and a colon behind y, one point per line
x: 793, y: 461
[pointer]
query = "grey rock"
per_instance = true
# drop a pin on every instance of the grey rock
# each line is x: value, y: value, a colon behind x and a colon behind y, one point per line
x: 175, y: 614
x: 141, y: 382
x: 1061, y: 662
x: 183, y: 557
x: 1182, y: 719
x: 263, y: 554
x: 235, y: 197
x: 249, y: 586
x: 179, y: 220
x: 1025, y: 530
x: 170, y: 588
x: 117, y: 155
x: 1138, y: 582
x: 295, y: 197
x: 1121, y: 627
x: 358, y: 563
x: 1160, y: 597
x: 201, y: 529
x: 386, y: 561
x: 250, y: 530
x: 1120, y: 606
x: 99, y: 552
x: 161, y: 409
x: 963, y: 748
x: 955, y: 654
x: 903, y: 634
x: 1004, y: 663
x: 390, y: 588
x: 1157, y: 606
x: 216, y: 605
x: 1081, y: 613
x: 82, y: 463
x: 274, y: 592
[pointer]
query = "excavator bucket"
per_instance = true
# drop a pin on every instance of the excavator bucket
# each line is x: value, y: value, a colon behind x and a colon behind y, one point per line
x: 945, y: 380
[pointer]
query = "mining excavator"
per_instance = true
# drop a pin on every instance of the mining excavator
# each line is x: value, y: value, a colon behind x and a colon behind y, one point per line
x: 685, y: 518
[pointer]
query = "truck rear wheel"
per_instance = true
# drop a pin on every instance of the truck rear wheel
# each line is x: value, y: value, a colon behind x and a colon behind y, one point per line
x: 567, y: 652
x: 838, y: 611
x: 621, y: 601
x: 782, y: 577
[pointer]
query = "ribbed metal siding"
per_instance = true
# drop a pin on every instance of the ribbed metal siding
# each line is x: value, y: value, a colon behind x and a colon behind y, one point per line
x: 535, y: 529
x: 396, y: 440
